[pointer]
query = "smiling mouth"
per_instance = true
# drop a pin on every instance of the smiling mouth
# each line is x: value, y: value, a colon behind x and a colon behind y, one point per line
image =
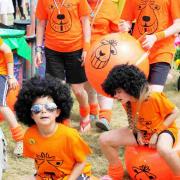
x: 44, y: 117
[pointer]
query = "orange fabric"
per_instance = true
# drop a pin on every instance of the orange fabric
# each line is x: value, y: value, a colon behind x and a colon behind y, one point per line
x: 151, y: 17
x: 56, y: 154
x: 176, y: 178
x: 64, y: 34
x: 115, y: 171
x: 160, y: 35
x: 94, y: 109
x: 8, y: 57
x: 67, y: 122
x: 161, y: 127
x: 106, y: 21
x: 3, y: 64
x: 17, y: 133
x: 84, y: 111
x: 86, y: 46
x: 105, y: 113
x: 152, y: 114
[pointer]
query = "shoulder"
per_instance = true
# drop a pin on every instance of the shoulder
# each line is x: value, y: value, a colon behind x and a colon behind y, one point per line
x: 31, y: 131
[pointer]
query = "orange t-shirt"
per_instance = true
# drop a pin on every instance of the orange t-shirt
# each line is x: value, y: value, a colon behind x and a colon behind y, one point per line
x: 106, y: 21
x: 56, y: 156
x: 152, y: 113
x: 151, y: 17
x: 3, y: 65
x: 64, y: 29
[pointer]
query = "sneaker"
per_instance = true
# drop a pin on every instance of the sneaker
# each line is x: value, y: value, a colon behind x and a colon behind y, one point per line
x: 93, y: 117
x: 18, y: 151
x: 103, y: 124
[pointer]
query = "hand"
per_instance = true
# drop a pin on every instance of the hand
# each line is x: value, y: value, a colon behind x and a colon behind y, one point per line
x: 153, y: 140
x: 149, y: 41
x: 38, y: 59
x: 13, y: 83
x: 124, y: 26
x: 140, y: 138
x: 83, y: 57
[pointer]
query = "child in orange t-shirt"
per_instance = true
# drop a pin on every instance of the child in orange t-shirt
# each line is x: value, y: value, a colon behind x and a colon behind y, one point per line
x: 65, y: 27
x: 155, y: 24
x: 151, y: 119
x: 58, y: 150
x: 7, y: 82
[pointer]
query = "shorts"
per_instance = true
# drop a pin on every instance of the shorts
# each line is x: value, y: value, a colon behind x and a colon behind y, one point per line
x: 158, y: 73
x: 65, y: 66
x: 3, y: 89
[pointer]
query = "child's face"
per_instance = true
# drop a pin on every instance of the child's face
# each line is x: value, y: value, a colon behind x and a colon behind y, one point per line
x: 122, y: 96
x: 44, y: 111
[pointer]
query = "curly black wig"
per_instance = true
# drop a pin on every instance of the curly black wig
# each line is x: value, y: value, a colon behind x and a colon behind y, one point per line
x: 126, y: 77
x: 41, y: 87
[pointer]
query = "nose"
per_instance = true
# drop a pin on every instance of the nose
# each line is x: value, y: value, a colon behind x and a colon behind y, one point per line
x: 146, y: 18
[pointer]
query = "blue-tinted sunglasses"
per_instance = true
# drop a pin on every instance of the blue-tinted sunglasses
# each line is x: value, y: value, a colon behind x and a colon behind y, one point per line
x: 37, y: 108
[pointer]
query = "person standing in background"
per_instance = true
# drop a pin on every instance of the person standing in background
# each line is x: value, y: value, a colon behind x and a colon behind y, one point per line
x: 20, y: 6
x: 66, y: 26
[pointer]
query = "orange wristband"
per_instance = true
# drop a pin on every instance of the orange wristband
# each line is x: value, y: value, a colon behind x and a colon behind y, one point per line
x: 160, y: 35
x: 161, y: 128
x: 8, y: 57
x: 86, y: 46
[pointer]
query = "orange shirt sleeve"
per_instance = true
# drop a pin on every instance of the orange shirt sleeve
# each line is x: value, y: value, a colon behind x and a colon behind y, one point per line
x: 1, y: 41
x: 163, y: 105
x: 79, y: 147
x: 128, y: 11
x: 83, y: 8
x: 41, y: 12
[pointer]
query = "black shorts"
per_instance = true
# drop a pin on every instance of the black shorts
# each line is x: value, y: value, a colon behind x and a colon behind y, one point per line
x: 65, y: 66
x: 158, y: 73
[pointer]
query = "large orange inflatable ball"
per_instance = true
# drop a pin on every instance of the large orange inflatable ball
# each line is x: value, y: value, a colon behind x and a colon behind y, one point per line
x: 145, y: 163
x: 111, y: 50
x: 11, y: 99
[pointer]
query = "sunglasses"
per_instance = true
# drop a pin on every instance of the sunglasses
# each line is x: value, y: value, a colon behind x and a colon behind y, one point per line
x: 37, y: 108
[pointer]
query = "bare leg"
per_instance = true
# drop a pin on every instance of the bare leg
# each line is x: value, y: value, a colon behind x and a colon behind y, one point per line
x: 164, y: 147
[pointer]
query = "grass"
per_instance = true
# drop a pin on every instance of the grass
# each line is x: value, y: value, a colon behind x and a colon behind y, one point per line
x: 19, y: 167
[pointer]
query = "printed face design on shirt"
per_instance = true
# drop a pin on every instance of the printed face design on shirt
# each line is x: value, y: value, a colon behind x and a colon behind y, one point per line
x: 147, y: 19
x: 143, y: 172
x: 102, y: 54
x: 45, y: 162
x: 61, y: 22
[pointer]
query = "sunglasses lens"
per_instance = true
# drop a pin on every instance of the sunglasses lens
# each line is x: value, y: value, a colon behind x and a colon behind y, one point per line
x: 37, y: 108
x: 50, y: 107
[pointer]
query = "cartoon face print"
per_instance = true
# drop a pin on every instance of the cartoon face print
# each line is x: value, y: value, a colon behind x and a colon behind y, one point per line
x: 147, y: 19
x: 48, y: 166
x: 61, y: 22
x: 103, y: 53
x: 143, y: 172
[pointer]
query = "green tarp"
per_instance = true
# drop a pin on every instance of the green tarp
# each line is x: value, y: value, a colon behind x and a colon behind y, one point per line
x: 16, y: 41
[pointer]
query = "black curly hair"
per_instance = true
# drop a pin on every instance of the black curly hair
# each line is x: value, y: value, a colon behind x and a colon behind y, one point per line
x: 126, y: 77
x: 38, y: 87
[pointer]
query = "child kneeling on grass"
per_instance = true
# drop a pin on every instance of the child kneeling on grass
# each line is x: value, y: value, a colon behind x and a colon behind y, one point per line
x: 58, y: 151
x: 151, y: 119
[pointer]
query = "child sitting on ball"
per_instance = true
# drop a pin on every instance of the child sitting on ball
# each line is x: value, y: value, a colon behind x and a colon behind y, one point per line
x: 151, y: 119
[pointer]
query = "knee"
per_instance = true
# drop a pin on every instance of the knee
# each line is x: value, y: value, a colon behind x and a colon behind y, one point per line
x: 79, y: 90
x: 104, y: 139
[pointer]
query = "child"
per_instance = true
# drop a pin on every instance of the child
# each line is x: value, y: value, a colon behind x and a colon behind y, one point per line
x: 8, y: 81
x: 151, y: 119
x: 58, y: 150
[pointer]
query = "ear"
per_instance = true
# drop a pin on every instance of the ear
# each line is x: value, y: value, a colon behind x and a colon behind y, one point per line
x: 58, y: 112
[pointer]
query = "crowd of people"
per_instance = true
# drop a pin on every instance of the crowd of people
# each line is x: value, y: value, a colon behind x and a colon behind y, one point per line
x: 65, y: 32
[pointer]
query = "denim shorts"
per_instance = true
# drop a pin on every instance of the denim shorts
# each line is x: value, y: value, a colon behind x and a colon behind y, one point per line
x: 158, y: 73
x: 3, y: 89
x: 65, y: 66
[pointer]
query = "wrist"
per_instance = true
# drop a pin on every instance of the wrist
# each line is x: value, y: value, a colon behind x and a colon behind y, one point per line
x: 160, y: 35
x: 39, y: 49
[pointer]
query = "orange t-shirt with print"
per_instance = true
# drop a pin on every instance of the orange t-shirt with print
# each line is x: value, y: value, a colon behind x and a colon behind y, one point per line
x: 106, y: 21
x: 3, y: 65
x: 152, y: 113
x: 63, y: 31
x: 151, y: 17
x: 55, y: 156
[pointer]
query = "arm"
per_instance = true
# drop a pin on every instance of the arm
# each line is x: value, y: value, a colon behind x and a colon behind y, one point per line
x: 171, y: 30
x: 39, y: 41
x: 77, y: 170
x: 10, y: 65
x: 87, y: 36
